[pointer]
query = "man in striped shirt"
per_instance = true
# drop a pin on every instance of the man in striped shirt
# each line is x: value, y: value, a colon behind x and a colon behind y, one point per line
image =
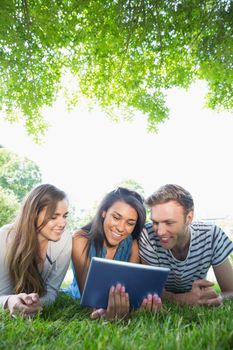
x: 188, y: 248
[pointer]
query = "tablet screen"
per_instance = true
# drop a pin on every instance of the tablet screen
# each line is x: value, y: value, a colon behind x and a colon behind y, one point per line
x: 139, y: 281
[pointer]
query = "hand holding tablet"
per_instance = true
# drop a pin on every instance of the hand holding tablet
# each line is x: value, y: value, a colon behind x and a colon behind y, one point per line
x: 138, y: 280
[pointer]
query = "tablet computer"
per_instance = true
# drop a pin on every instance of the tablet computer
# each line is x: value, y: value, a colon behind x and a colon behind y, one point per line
x: 139, y: 281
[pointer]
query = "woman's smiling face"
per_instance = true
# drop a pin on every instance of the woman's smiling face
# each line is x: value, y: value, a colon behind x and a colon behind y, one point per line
x: 119, y: 222
x: 54, y: 228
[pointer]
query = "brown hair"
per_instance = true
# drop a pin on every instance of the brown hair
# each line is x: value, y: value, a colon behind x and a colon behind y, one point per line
x: 171, y: 192
x: 23, y: 255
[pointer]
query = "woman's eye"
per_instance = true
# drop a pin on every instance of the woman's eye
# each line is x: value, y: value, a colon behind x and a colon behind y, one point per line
x: 131, y: 223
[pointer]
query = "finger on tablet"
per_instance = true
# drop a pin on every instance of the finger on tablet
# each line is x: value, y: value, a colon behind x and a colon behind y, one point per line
x: 156, y: 304
x: 125, y: 307
x: 110, y: 314
x: 97, y: 314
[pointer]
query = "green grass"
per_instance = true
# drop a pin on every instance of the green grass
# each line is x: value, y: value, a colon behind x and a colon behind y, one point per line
x: 65, y: 325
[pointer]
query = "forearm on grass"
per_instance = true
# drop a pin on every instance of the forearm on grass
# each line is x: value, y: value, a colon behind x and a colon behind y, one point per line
x: 226, y: 295
x: 179, y: 298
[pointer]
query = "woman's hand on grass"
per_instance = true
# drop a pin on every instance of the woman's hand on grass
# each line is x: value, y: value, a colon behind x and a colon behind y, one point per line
x: 118, y: 305
x: 26, y: 305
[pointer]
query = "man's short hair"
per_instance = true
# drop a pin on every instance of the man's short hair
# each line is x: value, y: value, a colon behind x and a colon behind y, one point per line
x: 171, y: 192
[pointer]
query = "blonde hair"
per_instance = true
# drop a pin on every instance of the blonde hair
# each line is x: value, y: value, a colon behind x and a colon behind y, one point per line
x: 23, y: 255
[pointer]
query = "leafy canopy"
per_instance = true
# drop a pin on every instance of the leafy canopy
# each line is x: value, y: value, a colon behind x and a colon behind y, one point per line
x: 124, y: 54
x: 8, y: 206
x: 17, y: 175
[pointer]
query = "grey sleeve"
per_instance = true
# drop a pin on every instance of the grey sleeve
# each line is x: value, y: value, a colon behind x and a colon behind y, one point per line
x: 5, y: 282
x: 3, y: 300
x: 58, y: 272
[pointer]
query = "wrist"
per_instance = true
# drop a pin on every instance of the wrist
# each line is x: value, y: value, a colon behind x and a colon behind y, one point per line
x: 6, y: 303
x: 180, y: 298
x: 168, y: 296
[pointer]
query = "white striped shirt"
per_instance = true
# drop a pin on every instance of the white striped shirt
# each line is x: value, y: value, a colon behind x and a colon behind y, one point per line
x: 209, y: 246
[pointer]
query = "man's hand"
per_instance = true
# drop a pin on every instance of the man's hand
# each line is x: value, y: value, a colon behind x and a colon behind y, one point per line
x: 24, y: 304
x: 202, y: 293
x: 118, y: 305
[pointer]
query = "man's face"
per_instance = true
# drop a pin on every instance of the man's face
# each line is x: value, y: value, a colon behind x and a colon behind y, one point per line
x: 171, y: 224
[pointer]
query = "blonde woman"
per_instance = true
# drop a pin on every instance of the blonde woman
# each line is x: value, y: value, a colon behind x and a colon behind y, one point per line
x: 35, y: 252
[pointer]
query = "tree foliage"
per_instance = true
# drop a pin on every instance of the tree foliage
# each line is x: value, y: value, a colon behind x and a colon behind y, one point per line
x: 124, y: 54
x: 17, y: 175
x: 87, y: 215
x: 8, y: 206
x: 133, y: 185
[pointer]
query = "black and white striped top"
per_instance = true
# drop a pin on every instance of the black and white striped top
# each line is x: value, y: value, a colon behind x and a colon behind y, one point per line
x: 209, y: 246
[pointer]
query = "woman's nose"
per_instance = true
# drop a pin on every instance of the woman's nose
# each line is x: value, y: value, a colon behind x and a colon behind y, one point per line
x: 62, y: 221
x: 120, y: 226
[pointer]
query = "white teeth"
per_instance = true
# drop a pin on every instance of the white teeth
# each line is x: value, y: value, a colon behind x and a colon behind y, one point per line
x: 116, y: 234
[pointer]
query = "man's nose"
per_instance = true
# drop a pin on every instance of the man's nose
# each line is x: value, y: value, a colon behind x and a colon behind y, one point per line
x: 161, y: 230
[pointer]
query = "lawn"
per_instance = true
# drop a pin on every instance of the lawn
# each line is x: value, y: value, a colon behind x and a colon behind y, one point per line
x: 65, y: 325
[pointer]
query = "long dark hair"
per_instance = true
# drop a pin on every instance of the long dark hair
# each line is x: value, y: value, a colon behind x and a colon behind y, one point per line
x: 94, y: 231
x: 23, y: 253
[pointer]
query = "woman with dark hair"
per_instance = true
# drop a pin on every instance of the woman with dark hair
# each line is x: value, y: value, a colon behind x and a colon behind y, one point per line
x: 35, y: 252
x: 112, y: 234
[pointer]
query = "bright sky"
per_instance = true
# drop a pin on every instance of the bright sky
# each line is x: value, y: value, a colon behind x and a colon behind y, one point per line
x: 86, y: 155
